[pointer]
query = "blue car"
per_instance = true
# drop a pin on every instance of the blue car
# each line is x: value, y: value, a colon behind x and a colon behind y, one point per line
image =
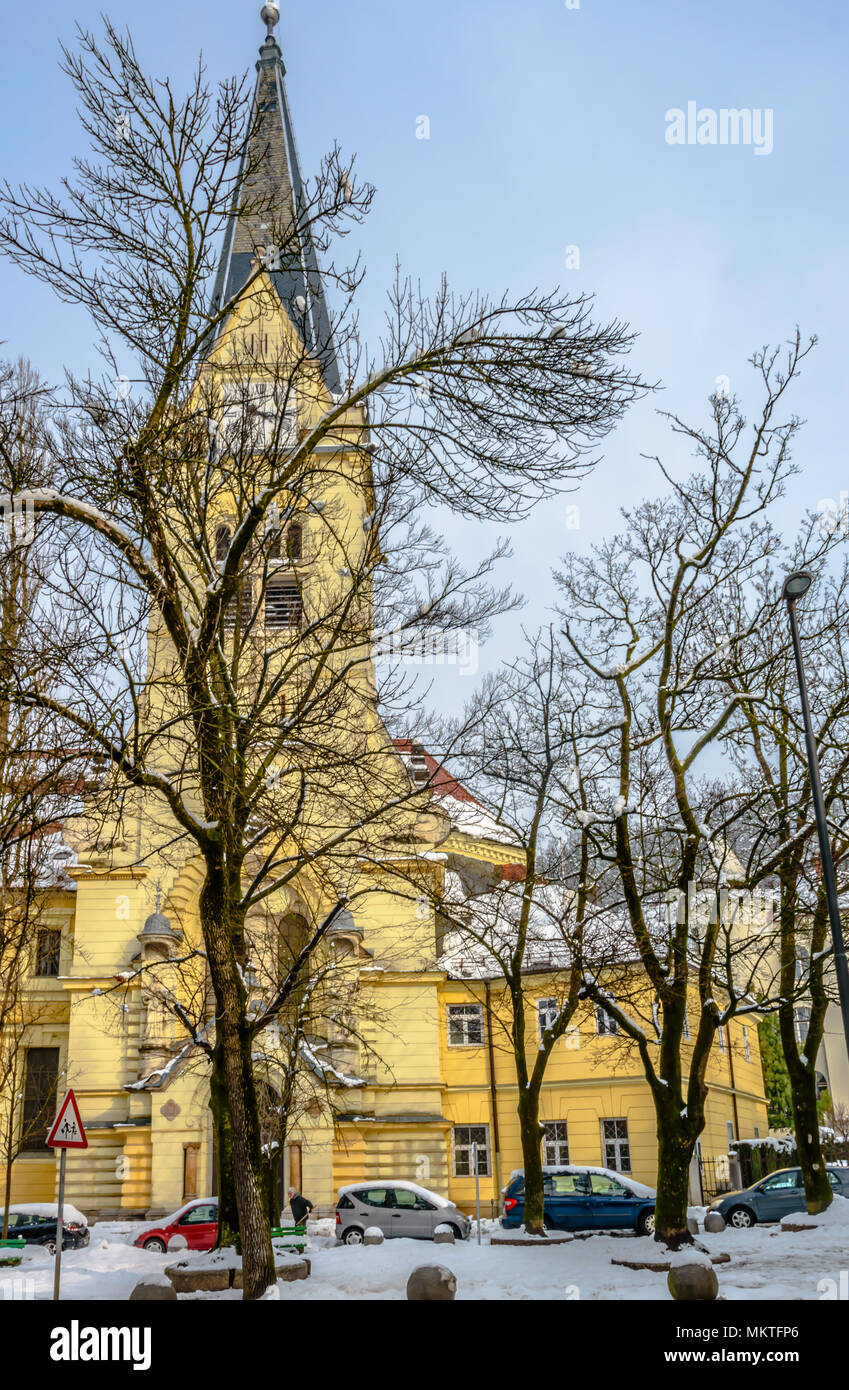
x: 773, y: 1197
x: 584, y: 1199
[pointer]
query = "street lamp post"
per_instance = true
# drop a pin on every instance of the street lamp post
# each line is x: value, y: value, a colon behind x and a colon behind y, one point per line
x: 795, y: 587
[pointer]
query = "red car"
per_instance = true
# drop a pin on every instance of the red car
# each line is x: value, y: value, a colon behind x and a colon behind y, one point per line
x: 197, y: 1221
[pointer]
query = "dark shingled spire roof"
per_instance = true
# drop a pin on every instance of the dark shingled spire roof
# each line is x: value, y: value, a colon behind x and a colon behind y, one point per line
x: 275, y: 190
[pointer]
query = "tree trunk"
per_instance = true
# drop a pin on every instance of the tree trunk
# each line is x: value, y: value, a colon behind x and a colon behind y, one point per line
x: 528, y: 1110
x: 242, y: 1171
x: 8, y: 1194
x: 806, y: 1123
x: 228, y: 1212
x: 674, y: 1155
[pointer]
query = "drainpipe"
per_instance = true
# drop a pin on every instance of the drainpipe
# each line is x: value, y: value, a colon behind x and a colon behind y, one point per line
x: 737, y: 1133
x: 493, y: 1102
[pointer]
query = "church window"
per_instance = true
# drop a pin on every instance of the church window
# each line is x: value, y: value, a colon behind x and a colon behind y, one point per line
x: 222, y: 543
x: 283, y: 604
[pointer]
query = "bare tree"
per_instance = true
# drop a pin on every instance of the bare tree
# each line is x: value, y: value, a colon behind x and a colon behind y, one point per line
x: 39, y: 771
x: 643, y: 617
x: 531, y: 926
x: 776, y: 831
x: 179, y: 493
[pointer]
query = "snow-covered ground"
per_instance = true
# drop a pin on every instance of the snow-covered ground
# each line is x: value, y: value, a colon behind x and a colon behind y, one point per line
x: 766, y: 1263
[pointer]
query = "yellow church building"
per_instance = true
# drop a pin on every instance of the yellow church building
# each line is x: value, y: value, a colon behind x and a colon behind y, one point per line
x: 430, y: 1078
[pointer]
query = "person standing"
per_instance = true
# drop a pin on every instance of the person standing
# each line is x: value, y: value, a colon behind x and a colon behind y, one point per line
x: 300, y: 1206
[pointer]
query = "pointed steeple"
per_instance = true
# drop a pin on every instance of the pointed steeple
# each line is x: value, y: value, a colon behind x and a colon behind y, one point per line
x: 269, y: 197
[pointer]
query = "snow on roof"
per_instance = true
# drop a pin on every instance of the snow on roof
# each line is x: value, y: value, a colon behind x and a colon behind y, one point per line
x: 494, y: 917
x: 468, y: 816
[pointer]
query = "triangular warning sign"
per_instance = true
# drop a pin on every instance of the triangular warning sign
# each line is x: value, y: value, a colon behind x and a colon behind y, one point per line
x: 67, y: 1131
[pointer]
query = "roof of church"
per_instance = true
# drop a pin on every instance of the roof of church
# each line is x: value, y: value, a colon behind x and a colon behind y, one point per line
x: 270, y: 194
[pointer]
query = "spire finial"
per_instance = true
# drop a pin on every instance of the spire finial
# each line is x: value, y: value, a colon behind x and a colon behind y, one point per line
x: 270, y: 17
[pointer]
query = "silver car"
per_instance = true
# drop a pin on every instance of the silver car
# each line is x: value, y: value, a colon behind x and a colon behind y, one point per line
x: 398, y: 1209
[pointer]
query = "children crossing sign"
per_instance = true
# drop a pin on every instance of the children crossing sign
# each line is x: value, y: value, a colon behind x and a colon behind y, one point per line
x: 67, y: 1131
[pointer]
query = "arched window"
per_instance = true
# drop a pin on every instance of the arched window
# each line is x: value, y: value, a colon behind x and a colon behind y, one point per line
x: 292, y: 937
x: 295, y: 542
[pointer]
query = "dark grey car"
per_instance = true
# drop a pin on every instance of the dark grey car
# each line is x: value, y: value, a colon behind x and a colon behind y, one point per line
x: 773, y: 1197
x: 397, y: 1208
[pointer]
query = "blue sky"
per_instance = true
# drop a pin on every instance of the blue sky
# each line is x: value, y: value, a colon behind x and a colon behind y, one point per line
x: 547, y: 128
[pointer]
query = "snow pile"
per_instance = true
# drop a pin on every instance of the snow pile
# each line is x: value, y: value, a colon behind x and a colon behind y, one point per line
x: 443, y: 1229
x: 765, y: 1266
x: 690, y: 1256
x: 835, y: 1217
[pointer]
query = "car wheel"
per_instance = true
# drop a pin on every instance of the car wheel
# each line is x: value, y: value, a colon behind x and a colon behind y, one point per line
x: 645, y: 1225
x: 353, y: 1236
x: 742, y: 1218
x: 50, y: 1246
x: 156, y: 1246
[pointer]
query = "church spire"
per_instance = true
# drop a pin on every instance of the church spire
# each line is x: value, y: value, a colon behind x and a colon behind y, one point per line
x: 269, y: 198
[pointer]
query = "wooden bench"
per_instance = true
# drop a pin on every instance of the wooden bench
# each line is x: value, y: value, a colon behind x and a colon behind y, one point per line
x: 293, y: 1236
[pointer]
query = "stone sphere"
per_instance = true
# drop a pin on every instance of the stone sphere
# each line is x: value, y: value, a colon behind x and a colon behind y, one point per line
x: 443, y: 1235
x: 373, y: 1236
x: 692, y: 1225
x: 431, y: 1284
x: 154, y: 1291
x: 178, y: 1243
x: 693, y: 1283
x: 714, y: 1222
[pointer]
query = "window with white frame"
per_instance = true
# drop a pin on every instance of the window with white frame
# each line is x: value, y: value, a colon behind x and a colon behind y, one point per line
x: 555, y: 1141
x: 801, y: 1021
x: 547, y: 1012
x: 729, y: 1129
x: 746, y: 1053
x: 686, y: 1026
x: 616, y: 1145
x: 465, y: 1025
x: 720, y: 1033
x: 464, y: 1138
x: 604, y: 1024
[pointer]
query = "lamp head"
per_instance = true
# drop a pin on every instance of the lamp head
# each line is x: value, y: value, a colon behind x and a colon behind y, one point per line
x: 796, y: 585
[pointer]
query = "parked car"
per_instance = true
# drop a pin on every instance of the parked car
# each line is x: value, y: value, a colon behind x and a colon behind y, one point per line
x: 197, y: 1221
x: 398, y: 1209
x: 584, y: 1199
x: 773, y: 1197
x: 37, y: 1226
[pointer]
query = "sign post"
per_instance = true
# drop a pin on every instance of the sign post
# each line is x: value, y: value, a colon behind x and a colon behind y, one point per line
x: 477, y: 1189
x: 67, y: 1133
